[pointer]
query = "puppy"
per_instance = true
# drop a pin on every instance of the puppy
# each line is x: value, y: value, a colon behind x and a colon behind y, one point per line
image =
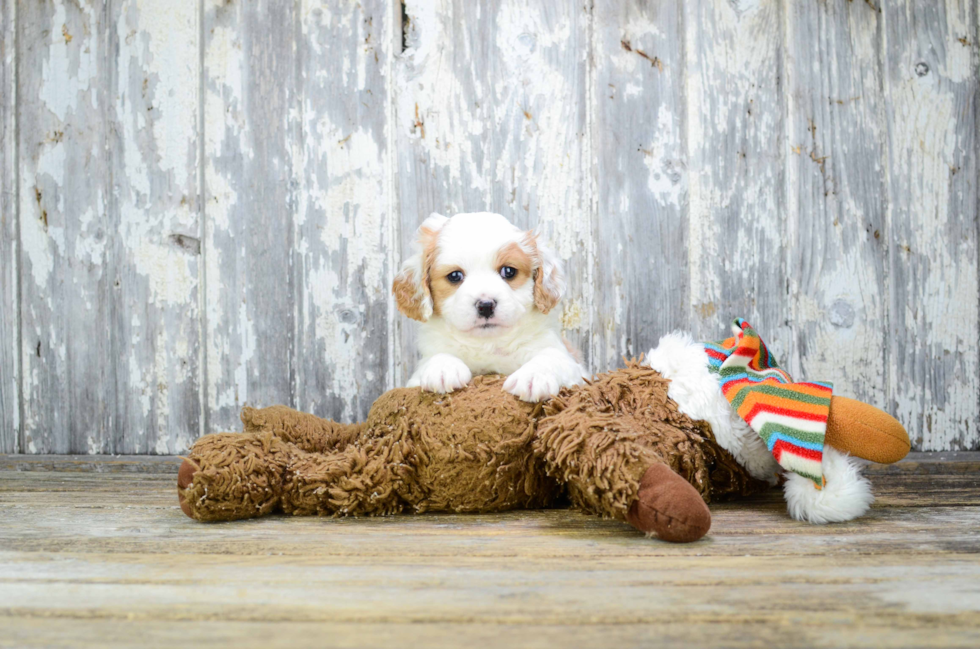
x: 485, y: 293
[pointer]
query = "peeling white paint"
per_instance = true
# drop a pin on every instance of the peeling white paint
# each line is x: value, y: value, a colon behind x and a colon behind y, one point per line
x: 230, y: 334
x: 541, y: 153
x: 36, y: 245
x: 69, y: 73
x: 342, y: 223
x: 933, y: 356
x: 449, y: 126
x: 171, y: 65
x: 666, y: 171
x: 353, y: 202
x: 680, y: 133
x: 172, y: 281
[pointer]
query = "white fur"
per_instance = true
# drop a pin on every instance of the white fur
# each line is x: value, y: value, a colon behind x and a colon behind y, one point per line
x: 519, y: 340
x: 441, y: 373
x: 682, y: 360
x: 846, y: 493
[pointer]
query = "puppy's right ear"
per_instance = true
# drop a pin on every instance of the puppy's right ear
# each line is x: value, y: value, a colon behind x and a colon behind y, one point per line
x: 411, y: 286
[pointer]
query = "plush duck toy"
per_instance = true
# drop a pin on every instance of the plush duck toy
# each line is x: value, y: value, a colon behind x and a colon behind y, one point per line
x: 779, y: 429
x: 650, y: 444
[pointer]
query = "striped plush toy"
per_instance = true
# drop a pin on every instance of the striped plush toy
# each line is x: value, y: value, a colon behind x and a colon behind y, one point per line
x: 778, y: 428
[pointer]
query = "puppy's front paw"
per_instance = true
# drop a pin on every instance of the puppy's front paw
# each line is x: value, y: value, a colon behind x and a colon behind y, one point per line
x: 442, y: 373
x: 532, y: 383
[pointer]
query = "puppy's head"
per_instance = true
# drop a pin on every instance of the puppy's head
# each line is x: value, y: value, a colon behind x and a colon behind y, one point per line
x: 479, y: 272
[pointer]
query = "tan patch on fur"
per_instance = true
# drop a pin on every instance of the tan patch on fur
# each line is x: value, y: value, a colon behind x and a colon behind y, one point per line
x: 441, y: 287
x: 409, y: 291
x: 514, y: 256
x: 405, y: 290
x: 544, y: 299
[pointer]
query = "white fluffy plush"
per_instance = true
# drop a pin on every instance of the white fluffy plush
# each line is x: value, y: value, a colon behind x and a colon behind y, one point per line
x: 682, y: 360
x: 846, y: 495
x: 485, y: 291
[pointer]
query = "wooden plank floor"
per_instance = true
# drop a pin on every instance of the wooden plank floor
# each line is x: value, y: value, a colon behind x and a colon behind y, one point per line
x: 95, y: 552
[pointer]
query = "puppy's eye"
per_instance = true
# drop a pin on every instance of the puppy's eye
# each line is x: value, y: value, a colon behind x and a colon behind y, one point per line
x: 455, y: 277
x: 508, y: 272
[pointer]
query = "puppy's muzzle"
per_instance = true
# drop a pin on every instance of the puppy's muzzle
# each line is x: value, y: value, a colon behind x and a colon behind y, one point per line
x: 485, y: 308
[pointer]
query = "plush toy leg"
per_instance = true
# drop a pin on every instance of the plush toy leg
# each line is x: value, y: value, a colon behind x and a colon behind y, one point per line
x: 230, y: 476
x: 669, y: 507
x: 368, y: 478
x: 613, y: 465
x: 845, y: 495
x: 308, y: 432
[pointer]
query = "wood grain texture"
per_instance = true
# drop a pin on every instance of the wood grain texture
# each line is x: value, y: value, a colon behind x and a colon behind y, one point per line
x: 9, y: 255
x: 203, y: 202
x: 153, y: 225
x: 642, y: 281
x: 343, y: 219
x: 737, y: 213
x: 167, y: 464
x: 835, y: 242
x: 930, y: 55
x: 68, y: 265
x: 491, y: 115
x: 104, y: 558
x: 82, y: 632
x: 252, y: 138
x: 298, y: 213
x: 109, y: 227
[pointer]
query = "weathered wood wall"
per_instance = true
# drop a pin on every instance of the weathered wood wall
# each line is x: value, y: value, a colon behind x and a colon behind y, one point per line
x: 203, y: 202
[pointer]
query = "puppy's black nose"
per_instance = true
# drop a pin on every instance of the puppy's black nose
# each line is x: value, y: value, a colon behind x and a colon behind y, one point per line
x: 485, y: 308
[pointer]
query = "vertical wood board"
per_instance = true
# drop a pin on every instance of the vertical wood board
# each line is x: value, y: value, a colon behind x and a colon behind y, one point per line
x: 342, y: 223
x: 154, y: 223
x: 737, y: 209
x: 9, y: 262
x: 641, y: 280
x: 66, y: 238
x: 835, y: 242
x: 251, y: 131
x: 538, y: 83
x: 930, y: 55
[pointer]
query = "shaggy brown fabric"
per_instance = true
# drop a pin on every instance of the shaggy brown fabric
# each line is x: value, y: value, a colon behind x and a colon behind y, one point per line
x: 600, y: 438
x: 478, y: 449
x: 308, y: 432
x: 238, y: 475
x: 460, y: 452
x: 472, y: 447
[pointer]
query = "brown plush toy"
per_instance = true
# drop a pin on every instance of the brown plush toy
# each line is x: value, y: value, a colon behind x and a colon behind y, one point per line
x: 618, y: 447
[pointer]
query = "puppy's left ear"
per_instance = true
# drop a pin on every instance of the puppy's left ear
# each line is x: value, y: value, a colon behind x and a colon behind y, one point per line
x: 549, y: 280
x: 411, y: 286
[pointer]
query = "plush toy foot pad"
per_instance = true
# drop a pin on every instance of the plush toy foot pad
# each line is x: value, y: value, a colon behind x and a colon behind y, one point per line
x: 865, y: 431
x: 668, y: 506
x: 185, y: 476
